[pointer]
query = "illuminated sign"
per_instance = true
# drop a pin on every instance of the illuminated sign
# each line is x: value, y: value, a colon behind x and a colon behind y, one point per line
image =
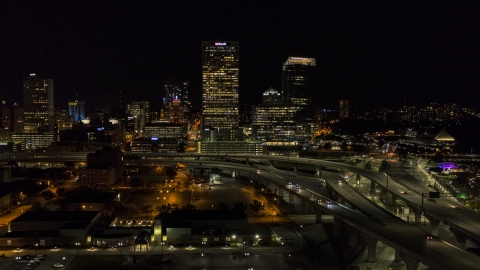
x: 220, y: 43
x: 154, y: 139
x: 32, y: 74
x: 3, y: 143
x: 100, y: 128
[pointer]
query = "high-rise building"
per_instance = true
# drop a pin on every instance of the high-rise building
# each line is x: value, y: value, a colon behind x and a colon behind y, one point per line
x: 176, y: 112
x: 76, y: 110
x: 220, y: 84
x: 344, y: 108
x: 140, y: 110
x: 38, y: 104
x: 177, y: 90
x: 298, y: 83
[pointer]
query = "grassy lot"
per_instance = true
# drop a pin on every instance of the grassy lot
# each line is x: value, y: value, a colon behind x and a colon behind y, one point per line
x: 97, y: 262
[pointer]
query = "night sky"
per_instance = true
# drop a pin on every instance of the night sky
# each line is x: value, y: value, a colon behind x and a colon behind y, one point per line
x: 374, y: 55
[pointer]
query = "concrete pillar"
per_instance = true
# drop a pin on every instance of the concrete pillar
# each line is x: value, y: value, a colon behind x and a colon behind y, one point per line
x: 418, y: 213
x: 271, y: 162
x: 410, y: 263
x: 372, y: 187
x: 337, y: 222
x: 393, y: 199
x: 291, y: 198
x: 280, y: 192
x: 318, y: 215
x: 434, y: 224
x: 304, y: 206
x: 398, y: 258
x: 295, y: 167
x: 372, y: 247
x: 461, y: 238
x: 318, y: 172
x: 357, y: 179
x: 352, y: 236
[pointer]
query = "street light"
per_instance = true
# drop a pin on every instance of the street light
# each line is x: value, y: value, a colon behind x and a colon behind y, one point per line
x: 203, y: 253
x: 36, y: 245
x: 77, y: 245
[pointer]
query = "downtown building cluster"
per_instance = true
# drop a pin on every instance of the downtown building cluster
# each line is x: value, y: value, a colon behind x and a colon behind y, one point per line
x: 287, y: 119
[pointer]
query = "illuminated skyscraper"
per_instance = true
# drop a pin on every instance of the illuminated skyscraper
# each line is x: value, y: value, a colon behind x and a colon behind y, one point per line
x: 177, y: 90
x: 298, y: 84
x: 38, y: 104
x: 76, y: 110
x: 220, y: 75
x: 344, y: 108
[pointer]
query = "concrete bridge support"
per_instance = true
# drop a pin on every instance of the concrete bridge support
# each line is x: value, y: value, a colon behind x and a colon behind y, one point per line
x: 372, y: 187
x: 352, y: 236
x: 461, y: 238
x: 280, y: 193
x: 434, y: 224
x: 410, y: 263
x: 357, y: 179
x: 418, y: 213
x: 337, y: 223
x: 318, y: 171
x: 371, y: 246
x: 318, y: 215
x: 398, y: 258
x: 291, y: 198
x: 304, y: 206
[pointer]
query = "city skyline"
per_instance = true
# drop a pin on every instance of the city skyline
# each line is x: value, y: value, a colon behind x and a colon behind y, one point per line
x: 422, y: 53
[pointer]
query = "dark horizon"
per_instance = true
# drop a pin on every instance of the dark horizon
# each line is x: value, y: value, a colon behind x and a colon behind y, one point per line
x: 374, y: 55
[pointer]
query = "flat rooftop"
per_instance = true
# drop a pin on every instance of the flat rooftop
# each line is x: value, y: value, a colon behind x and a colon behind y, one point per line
x: 71, y: 216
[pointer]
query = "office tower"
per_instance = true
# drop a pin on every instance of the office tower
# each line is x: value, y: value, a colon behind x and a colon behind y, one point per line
x: 344, y: 108
x: 177, y: 90
x: 38, y: 104
x: 140, y: 110
x: 176, y: 112
x: 298, y: 84
x: 76, y: 110
x: 220, y: 75
x: 272, y: 120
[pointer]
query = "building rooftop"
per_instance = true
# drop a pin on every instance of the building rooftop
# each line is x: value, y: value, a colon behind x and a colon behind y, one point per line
x: 75, y: 225
x: 184, y: 215
x: 36, y: 216
x: 91, y: 197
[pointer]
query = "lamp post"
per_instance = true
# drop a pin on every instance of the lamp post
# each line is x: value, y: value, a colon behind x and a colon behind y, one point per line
x: 77, y: 245
x: 203, y: 253
x: 36, y: 245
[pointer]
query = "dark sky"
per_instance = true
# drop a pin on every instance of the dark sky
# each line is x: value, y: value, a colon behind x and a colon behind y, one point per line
x: 375, y: 55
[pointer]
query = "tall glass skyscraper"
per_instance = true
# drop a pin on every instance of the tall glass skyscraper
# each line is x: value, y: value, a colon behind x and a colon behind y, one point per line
x: 177, y: 90
x: 298, y: 84
x: 76, y: 110
x: 220, y: 75
x: 38, y: 104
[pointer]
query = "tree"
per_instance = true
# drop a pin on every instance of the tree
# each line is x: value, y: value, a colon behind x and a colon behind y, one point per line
x: 47, y: 195
x: 223, y: 206
x: 256, y: 206
x: 146, y: 209
x: 189, y: 206
x: 368, y: 165
x: 60, y: 191
x: 164, y: 208
x: 239, y: 206
x: 36, y: 206
x: 383, y: 166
